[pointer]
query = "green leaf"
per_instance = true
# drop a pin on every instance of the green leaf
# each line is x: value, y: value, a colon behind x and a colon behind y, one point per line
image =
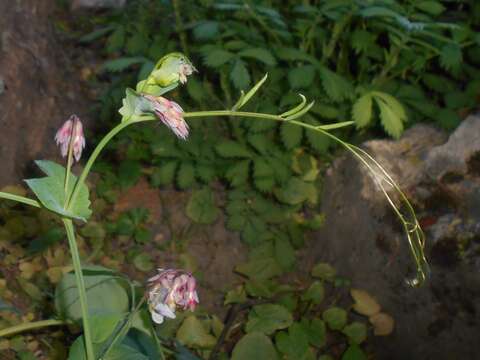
x: 254, y: 345
x: 116, y: 40
x: 448, y: 119
x: 295, y: 344
x: 335, y: 317
x: 128, y: 173
x: 260, y: 54
x: 259, y: 268
x: 121, y: 64
x: 434, y: 8
x: 238, y: 173
x: 206, y: 30
x: 291, y: 135
x: 297, y: 191
x: 103, y: 325
x: 324, y: 271
x: 237, y: 295
x: 186, y: 175
x: 301, y: 77
x: 50, y: 191
x: 362, y: 111
x: 268, y: 318
x: 201, y: 207
x: 232, y: 149
x: 193, y: 333
x: 336, y: 86
x: 284, y: 253
x: 356, y: 332
x: 451, y: 57
x: 143, y: 261
x: 392, y: 113
x: 240, y: 75
x: 105, y: 294
x: 217, y: 58
x: 263, y: 175
x: 354, y: 353
x: 164, y: 174
x: 317, y: 333
x: 315, y: 293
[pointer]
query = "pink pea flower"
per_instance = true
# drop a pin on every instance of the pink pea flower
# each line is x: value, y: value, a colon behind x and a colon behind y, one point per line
x: 168, y: 290
x: 170, y: 113
x: 71, y: 128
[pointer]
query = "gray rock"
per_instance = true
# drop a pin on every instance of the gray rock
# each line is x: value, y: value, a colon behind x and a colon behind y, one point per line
x: 453, y: 156
x: 362, y: 239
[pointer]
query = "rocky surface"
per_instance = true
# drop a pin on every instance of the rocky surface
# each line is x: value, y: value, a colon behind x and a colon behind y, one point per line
x: 39, y: 88
x: 363, y: 239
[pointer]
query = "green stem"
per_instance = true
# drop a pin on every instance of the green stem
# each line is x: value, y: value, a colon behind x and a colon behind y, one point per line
x: 80, y: 286
x: 12, y: 330
x: 20, y: 199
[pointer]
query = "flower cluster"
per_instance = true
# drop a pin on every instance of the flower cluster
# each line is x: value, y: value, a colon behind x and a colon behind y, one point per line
x: 168, y: 290
x: 71, y: 132
x: 170, y: 113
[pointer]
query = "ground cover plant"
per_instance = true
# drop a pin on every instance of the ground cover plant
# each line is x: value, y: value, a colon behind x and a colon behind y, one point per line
x: 378, y: 63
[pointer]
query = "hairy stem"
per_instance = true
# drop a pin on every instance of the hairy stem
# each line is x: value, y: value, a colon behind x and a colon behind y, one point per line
x: 80, y: 286
x: 12, y: 330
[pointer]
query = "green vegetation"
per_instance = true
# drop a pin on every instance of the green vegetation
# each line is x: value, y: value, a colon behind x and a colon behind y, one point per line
x: 383, y: 64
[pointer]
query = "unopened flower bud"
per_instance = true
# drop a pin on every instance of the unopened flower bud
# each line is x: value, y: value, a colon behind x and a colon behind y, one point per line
x: 71, y: 134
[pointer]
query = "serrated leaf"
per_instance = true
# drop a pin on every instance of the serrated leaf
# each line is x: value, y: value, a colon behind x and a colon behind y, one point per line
x: 301, y: 77
x: 164, y: 174
x: 392, y: 113
x: 238, y: 173
x: 391, y: 121
x: 240, y: 75
x: 50, y: 191
x: 185, y: 175
x: 232, y: 149
x: 260, y: 54
x: 217, y: 57
x: 451, y: 57
x: 362, y: 111
x: 201, y: 207
x: 336, y: 86
x: 291, y: 135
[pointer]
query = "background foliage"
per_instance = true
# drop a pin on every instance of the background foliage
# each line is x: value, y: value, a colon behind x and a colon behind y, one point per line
x: 385, y: 64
